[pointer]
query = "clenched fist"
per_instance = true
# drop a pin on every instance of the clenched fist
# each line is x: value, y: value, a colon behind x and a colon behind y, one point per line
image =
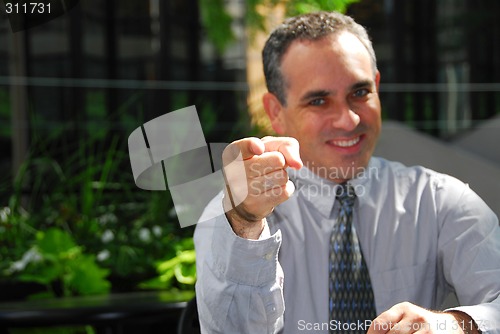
x: 252, y: 195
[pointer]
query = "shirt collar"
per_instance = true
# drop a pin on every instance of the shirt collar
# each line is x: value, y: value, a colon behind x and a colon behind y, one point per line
x: 318, y: 191
x: 364, y: 181
x: 321, y: 192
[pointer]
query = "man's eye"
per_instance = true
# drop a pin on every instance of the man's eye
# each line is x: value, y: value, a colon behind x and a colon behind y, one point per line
x: 361, y: 92
x: 317, y: 102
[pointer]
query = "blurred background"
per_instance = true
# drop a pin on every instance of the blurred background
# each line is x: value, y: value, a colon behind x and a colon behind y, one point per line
x: 74, y: 86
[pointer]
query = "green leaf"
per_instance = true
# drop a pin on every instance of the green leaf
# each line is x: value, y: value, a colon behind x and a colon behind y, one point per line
x: 54, y: 241
x: 185, y: 273
x: 168, y: 265
x: 185, y: 244
x: 167, y: 277
x: 188, y: 256
x: 87, y: 277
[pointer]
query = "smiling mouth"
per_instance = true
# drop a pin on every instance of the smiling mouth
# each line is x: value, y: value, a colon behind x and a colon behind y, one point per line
x: 345, y: 143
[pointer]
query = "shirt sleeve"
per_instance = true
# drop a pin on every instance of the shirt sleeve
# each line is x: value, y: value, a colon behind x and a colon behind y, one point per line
x: 469, y: 249
x: 240, y: 282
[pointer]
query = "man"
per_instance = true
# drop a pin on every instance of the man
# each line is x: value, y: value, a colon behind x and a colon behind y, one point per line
x: 267, y: 263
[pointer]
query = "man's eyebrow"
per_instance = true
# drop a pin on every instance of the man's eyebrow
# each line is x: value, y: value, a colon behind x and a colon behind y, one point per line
x: 314, y: 94
x: 362, y: 84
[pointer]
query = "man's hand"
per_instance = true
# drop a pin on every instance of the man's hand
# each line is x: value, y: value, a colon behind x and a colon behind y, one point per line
x: 408, y: 318
x: 252, y: 195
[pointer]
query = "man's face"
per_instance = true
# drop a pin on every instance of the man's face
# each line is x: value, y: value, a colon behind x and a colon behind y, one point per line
x: 333, y: 108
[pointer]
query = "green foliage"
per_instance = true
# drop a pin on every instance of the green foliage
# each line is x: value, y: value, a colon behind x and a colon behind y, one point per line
x: 85, y: 227
x: 76, y: 223
x: 15, y: 234
x: 56, y: 259
x: 176, y: 271
x: 296, y: 7
x: 217, y: 21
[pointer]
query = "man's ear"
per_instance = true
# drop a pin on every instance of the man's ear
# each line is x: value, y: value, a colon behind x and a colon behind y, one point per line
x: 377, y: 80
x: 274, y: 111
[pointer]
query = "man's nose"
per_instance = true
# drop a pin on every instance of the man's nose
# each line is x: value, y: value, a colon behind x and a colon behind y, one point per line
x: 346, y: 119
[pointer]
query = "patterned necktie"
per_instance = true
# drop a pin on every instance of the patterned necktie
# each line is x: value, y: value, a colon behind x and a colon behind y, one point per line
x: 351, y: 294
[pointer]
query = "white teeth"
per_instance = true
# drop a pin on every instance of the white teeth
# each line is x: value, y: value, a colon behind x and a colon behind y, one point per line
x: 346, y: 143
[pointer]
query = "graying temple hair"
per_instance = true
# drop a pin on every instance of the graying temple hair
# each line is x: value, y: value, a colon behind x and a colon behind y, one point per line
x: 312, y: 26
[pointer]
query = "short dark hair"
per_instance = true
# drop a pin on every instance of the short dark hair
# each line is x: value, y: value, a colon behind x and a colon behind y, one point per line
x: 311, y: 26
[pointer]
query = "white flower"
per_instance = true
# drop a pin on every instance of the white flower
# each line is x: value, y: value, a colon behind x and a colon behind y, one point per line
x: 157, y: 231
x: 107, y: 236
x: 103, y: 255
x: 107, y: 218
x: 4, y: 214
x: 31, y: 255
x: 145, y: 234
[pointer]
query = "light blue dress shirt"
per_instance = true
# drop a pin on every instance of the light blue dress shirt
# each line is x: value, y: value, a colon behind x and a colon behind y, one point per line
x: 423, y: 235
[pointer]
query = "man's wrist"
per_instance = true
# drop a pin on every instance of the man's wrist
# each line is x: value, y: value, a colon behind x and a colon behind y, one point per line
x: 242, y: 227
x: 466, y: 323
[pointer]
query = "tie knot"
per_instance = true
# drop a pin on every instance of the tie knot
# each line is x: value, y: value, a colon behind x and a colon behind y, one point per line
x: 346, y: 195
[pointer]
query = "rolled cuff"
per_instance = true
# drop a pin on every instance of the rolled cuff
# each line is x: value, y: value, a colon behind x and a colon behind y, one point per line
x: 243, y: 261
x: 485, y: 316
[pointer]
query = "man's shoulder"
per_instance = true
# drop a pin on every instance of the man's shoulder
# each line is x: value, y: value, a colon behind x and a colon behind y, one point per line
x: 399, y: 169
x: 415, y: 176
